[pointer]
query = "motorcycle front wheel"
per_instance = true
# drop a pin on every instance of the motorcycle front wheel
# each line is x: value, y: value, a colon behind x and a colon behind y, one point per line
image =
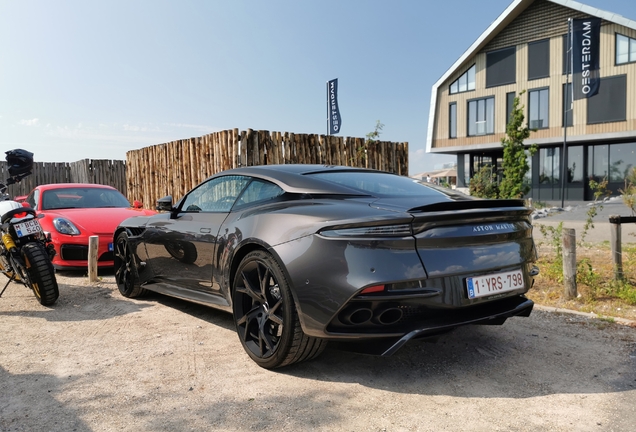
x: 41, y: 274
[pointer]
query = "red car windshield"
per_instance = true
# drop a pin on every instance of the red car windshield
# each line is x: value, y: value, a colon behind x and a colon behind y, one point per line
x: 82, y: 197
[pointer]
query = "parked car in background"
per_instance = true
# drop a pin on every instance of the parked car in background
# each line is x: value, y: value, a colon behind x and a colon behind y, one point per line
x: 305, y: 254
x: 72, y: 212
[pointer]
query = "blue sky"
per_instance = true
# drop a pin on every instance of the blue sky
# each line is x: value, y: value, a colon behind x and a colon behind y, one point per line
x: 88, y: 79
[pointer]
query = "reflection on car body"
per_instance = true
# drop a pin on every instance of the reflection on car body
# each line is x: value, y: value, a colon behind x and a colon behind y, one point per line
x: 306, y: 254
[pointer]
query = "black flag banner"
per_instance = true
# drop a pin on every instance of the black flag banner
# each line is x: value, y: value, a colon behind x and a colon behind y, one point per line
x: 585, y: 56
x: 332, y: 107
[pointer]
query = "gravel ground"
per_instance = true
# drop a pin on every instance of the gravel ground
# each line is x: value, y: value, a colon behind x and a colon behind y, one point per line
x: 97, y: 361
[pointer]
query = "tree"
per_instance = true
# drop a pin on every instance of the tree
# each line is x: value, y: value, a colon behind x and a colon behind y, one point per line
x: 484, y: 183
x: 515, y: 163
x: 372, y: 137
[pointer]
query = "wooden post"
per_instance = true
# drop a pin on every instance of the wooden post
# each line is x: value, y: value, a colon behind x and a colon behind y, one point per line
x: 569, y: 263
x: 615, y: 241
x: 93, y: 245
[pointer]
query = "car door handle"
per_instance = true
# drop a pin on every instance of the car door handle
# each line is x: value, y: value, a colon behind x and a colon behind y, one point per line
x: 205, y: 230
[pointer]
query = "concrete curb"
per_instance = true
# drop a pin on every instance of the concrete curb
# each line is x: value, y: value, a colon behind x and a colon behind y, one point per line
x: 618, y: 320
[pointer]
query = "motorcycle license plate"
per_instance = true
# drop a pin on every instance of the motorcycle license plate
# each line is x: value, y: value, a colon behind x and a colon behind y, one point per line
x: 27, y: 228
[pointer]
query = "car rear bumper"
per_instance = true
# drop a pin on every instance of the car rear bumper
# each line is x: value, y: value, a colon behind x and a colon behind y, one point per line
x: 494, y: 313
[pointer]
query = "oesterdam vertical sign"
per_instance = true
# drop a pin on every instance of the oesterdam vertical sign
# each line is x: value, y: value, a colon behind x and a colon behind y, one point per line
x: 332, y: 107
x: 585, y: 57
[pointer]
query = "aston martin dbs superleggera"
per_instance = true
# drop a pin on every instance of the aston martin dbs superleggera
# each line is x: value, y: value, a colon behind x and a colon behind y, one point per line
x: 306, y: 254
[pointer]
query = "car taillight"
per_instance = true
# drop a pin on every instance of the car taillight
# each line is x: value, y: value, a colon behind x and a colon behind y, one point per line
x: 400, y: 230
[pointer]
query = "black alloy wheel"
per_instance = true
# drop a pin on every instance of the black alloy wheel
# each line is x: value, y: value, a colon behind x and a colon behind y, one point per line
x: 265, y: 315
x: 126, y: 268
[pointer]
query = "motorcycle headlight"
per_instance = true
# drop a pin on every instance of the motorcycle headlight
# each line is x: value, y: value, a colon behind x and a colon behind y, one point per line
x: 65, y: 226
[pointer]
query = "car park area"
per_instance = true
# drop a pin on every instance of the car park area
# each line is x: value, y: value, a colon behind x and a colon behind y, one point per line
x: 100, y: 362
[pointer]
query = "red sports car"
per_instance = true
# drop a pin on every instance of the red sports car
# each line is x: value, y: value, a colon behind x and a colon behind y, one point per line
x: 72, y: 212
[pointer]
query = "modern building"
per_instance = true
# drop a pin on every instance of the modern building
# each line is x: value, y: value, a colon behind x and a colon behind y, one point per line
x: 525, y: 49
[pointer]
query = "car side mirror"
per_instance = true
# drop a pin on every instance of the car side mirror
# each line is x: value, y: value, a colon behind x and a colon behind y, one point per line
x: 137, y: 204
x: 164, y: 204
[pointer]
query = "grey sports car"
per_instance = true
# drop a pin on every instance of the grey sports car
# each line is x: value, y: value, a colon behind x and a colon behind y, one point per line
x: 306, y: 254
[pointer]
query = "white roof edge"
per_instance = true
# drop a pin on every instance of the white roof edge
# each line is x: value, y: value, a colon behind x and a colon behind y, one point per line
x: 607, y: 16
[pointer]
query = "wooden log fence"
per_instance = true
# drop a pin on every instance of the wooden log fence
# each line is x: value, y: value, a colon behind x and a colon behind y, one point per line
x: 616, y: 242
x: 175, y: 167
x: 102, y: 171
x: 569, y: 263
x: 569, y: 253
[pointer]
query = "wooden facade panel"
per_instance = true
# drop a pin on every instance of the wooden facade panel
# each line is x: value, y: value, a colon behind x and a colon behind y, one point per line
x: 541, y: 20
x: 520, y: 34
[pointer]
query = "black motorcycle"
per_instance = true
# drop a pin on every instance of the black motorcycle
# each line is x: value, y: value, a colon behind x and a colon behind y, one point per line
x: 25, y: 251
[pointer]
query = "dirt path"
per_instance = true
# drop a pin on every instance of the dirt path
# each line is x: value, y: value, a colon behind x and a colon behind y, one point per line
x: 100, y: 362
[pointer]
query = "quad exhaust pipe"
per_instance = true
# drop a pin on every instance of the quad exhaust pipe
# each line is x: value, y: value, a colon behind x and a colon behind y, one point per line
x: 388, y: 316
x: 362, y: 315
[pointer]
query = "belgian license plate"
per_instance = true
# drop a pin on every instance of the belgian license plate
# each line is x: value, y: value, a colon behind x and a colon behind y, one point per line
x: 496, y: 283
x: 27, y: 228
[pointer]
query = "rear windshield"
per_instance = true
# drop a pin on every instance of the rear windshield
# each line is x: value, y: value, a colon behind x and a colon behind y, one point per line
x: 379, y: 184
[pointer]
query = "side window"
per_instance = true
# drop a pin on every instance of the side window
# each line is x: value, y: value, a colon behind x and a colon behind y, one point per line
x: 32, y: 199
x: 259, y: 191
x: 216, y: 195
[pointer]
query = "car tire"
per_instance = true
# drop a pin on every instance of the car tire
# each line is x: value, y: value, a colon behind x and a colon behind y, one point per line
x: 185, y: 252
x: 125, y: 264
x: 265, y: 315
x: 40, y: 273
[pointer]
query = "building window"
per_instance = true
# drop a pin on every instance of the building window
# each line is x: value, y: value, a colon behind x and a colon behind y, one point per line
x: 612, y: 162
x: 598, y: 162
x: 625, y: 49
x: 575, y: 164
x: 610, y: 103
x: 622, y: 160
x: 501, y: 67
x: 527, y: 177
x: 549, y: 165
x: 510, y: 104
x: 465, y: 82
x: 538, y: 108
x: 452, y: 120
x: 481, y: 161
x: 466, y: 169
x: 567, y: 105
x: 539, y: 59
x: 481, y: 114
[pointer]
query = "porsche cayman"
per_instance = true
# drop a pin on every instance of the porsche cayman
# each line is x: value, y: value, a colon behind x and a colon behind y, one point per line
x: 73, y: 212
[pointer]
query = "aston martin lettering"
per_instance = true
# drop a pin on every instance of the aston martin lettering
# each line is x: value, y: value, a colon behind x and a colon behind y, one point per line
x: 493, y: 227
